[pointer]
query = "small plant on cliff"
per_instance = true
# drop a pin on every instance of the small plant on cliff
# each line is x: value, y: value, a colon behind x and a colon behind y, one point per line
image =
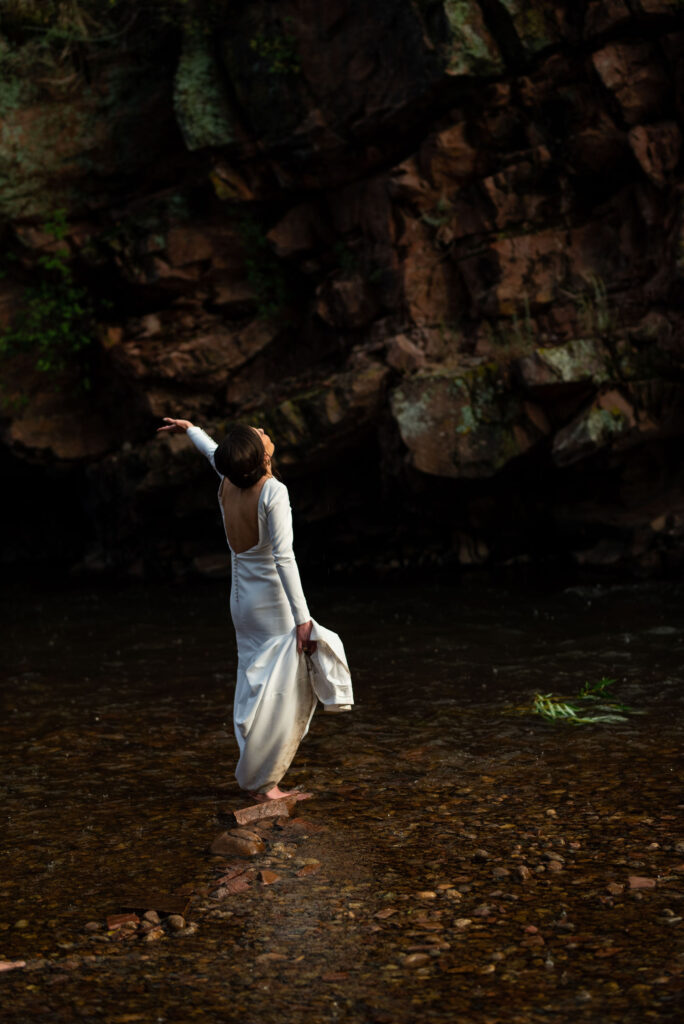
x: 596, y: 315
x: 56, y: 325
x: 278, y: 52
x: 347, y: 260
x: 440, y: 215
x: 523, y: 325
x: 264, y: 272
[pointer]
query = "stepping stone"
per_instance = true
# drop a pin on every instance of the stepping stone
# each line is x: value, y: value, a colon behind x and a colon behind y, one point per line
x: 269, y: 809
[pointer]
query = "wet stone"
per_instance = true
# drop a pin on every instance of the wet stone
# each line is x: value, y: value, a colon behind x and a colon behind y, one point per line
x: 191, y: 928
x: 268, y: 877
x: 115, y: 921
x: 416, y: 960
x: 641, y: 882
x: 38, y: 964
x: 232, y: 886
x: 238, y: 843
x: 175, y: 922
x: 376, y: 853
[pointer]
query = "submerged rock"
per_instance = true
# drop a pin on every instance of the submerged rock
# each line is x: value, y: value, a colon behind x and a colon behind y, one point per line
x: 238, y: 843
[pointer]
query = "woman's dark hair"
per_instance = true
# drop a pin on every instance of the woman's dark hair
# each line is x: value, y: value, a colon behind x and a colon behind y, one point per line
x: 240, y: 457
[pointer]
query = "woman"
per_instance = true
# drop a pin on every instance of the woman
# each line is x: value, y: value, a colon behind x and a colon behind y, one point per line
x: 286, y: 660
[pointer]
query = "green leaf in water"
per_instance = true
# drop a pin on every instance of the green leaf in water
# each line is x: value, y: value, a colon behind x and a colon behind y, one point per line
x: 574, y: 710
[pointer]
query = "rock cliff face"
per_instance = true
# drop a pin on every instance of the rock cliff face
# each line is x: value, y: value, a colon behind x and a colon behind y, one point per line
x: 435, y: 246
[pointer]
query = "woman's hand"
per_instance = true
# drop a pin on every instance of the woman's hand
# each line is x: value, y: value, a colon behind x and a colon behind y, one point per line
x: 303, y: 642
x: 174, y: 426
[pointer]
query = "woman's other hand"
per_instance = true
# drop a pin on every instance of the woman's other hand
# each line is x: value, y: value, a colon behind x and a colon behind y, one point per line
x: 174, y: 426
x: 303, y: 642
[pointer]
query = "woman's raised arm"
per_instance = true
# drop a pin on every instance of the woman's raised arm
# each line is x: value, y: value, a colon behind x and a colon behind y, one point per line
x: 174, y: 426
x: 199, y: 437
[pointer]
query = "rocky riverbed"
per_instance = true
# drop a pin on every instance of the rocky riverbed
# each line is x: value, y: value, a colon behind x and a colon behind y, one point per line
x: 461, y: 858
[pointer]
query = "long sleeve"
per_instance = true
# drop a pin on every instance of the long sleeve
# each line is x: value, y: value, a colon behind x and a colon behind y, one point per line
x: 203, y: 443
x: 279, y: 521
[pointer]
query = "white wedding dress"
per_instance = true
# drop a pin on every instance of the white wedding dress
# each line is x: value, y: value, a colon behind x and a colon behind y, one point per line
x: 277, y: 689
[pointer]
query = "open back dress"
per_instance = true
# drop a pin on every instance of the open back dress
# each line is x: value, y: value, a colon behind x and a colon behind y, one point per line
x: 277, y: 689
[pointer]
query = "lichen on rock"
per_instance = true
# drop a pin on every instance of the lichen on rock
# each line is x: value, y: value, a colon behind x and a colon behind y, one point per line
x: 201, y: 104
x: 472, y: 50
x: 466, y: 424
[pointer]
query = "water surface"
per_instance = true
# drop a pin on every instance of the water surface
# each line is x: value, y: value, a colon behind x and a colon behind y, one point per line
x: 462, y: 860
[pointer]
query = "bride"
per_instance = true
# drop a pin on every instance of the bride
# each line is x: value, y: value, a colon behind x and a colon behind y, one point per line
x: 286, y: 660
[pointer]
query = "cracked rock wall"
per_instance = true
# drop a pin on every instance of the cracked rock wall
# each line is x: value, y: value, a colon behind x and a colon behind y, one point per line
x: 435, y: 246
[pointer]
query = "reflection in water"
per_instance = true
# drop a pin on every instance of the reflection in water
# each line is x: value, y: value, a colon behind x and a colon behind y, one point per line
x: 460, y: 860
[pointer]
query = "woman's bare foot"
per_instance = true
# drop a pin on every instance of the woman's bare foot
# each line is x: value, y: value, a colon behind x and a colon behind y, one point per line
x: 279, y: 794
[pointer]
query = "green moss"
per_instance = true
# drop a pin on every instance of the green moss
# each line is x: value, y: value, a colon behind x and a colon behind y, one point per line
x: 577, y: 360
x: 56, y: 326
x: 472, y: 50
x: 411, y: 410
x: 441, y: 213
x: 200, y: 103
x: 277, y: 52
x: 265, y: 273
x: 468, y: 422
x: 12, y: 90
x: 602, y: 425
x: 533, y: 22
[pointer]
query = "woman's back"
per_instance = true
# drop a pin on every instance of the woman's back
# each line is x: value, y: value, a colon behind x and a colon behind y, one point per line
x: 241, y: 514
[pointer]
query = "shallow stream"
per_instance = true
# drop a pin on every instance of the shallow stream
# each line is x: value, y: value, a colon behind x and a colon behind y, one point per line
x: 463, y: 860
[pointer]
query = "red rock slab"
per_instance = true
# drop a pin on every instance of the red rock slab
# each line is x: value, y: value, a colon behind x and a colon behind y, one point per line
x: 240, y: 883
x: 304, y: 825
x: 268, y: 877
x: 308, y: 869
x: 232, y: 871
x: 269, y: 809
x: 116, y: 920
x: 641, y: 882
x: 162, y: 902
